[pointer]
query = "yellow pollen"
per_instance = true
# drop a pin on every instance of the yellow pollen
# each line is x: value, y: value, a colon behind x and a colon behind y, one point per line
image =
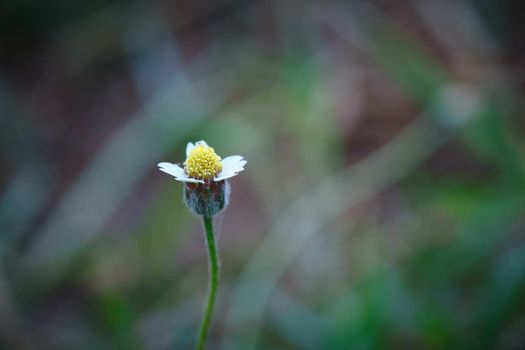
x: 202, y: 163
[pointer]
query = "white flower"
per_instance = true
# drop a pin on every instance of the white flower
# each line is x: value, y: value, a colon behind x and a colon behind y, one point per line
x: 203, y: 164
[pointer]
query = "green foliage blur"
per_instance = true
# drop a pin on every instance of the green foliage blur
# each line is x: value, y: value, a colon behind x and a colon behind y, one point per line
x: 382, y: 206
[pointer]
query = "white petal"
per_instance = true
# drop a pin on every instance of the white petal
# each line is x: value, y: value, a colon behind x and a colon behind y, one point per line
x: 188, y: 179
x: 177, y: 172
x: 189, y: 147
x: 233, y: 163
x: 172, y: 169
x: 230, y: 159
x: 231, y: 166
x: 230, y: 171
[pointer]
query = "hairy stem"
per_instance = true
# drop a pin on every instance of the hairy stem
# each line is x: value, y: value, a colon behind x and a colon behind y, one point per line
x: 213, y: 258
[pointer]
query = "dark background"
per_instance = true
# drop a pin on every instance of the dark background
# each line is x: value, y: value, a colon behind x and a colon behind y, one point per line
x: 383, y: 202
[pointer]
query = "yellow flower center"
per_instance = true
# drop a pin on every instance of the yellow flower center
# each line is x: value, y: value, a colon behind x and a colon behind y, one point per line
x: 202, y: 163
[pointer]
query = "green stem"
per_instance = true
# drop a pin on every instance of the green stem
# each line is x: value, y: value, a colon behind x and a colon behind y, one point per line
x: 213, y: 258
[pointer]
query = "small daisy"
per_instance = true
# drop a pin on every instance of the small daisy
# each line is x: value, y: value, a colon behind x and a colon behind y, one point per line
x: 206, y: 193
x: 203, y: 165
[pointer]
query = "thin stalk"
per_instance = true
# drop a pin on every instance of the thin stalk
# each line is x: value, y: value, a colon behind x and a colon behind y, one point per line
x: 213, y: 258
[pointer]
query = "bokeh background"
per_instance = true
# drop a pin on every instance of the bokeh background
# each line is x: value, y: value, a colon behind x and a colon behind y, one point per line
x: 382, y: 207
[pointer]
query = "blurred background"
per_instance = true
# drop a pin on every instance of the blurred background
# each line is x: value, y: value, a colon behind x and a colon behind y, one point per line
x: 382, y: 207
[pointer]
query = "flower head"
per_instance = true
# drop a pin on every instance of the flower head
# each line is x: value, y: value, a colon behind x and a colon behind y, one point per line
x: 203, y: 165
x: 206, y: 191
x: 202, y: 162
